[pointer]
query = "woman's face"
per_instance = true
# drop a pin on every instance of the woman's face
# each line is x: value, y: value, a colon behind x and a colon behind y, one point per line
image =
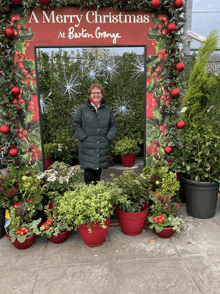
x: 96, y: 95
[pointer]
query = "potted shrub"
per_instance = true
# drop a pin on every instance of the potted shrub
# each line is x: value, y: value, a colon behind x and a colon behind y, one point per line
x: 21, y: 228
x: 131, y: 192
x: 195, y: 150
x: 89, y: 208
x: 163, y: 217
x: 127, y: 148
x: 57, y: 231
x: 58, y: 179
x: 49, y: 152
x: 198, y: 162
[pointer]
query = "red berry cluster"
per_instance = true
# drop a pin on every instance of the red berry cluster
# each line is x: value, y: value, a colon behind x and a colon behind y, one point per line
x: 22, y: 231
x: 162, y: 54
x: 35, y: 153
x: 159, y: 219
x: 163, y: 27
x: 21, y: 134
x: 16, y: 27
x: 155, y: 149
x: 17, y: 204
x: 163, y: 129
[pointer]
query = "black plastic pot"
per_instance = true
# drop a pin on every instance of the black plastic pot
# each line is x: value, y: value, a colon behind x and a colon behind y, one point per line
x: 201, y: 198
x: 2, y: 222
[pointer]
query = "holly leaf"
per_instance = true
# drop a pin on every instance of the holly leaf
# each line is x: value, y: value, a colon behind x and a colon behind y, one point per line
x: 25, y: 34
x: 157, y: 113
x: 155, y: 20
x: 161, y: 152
x: 163, y: 140
x: 33, y: 87
x: 160, y: 45
x: 26, y: 158
x: 150, y: 86
x: 38, y: 166
x: 23, y: 145
x: 23, y: 20
x: 154, y: 34
x: 28, y: 116
x: 19, y: 46
x: 17, y: 71
x: 152, y: 135
x: 152, y: 61
x: 150, y: 123
x: 29, y: 64
x: 33, y: 137
x: 151, y: 160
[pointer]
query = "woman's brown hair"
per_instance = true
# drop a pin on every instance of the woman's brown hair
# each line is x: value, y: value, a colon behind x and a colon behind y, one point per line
x: 96, y: 86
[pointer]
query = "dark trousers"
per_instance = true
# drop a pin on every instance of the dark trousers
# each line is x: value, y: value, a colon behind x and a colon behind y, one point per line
x: 92, y: 175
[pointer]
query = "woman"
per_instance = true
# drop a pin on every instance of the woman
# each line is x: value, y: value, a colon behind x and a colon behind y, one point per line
x: 95, y: 127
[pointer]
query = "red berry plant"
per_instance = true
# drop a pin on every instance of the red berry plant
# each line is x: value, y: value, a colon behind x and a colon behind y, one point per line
x: 20, y: 125
x: 165, y: 87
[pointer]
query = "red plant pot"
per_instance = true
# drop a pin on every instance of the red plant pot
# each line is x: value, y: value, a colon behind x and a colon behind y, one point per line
x: 48, y: 162
x: 98, y: 235
x: 26, y: 244
x: 132, y: 223
x: 60, y: 238
x: 165, y: 233
x: 128, y: 160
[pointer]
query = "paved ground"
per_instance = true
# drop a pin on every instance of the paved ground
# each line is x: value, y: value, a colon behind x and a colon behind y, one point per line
x: 187, y: 263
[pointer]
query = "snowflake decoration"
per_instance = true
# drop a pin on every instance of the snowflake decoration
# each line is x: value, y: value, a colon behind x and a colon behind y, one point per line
x: 108, y: 68
x: 121, y: 108
x: 70, y: 86
x: 74, y: 110
x: 139, y: 67
x: 93, y: 74
x: 44, y: 102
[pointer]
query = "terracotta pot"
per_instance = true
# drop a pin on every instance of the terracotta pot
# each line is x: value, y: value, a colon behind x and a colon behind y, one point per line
x: 132, y: 223
x: 60, y: 238
x: 26, y: 244
x: 128, y: 160
x: 48, y: 162
x: 98, y: 235
x: 165, y: 233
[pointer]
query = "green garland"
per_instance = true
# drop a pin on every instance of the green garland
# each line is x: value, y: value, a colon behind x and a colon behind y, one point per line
x: 9, y: 79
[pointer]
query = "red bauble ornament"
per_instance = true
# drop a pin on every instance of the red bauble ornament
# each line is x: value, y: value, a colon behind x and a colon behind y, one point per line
x: 4, y: 130
x: 9, y: 33
x: 45, y: 2
x: 171, y: 27
x: 178, y: 3
x: 180, y: 66
x: 155, y: 4
x: 17, y: 1
x: 15, y: 91
x: 175, y: 92
x: 13, y: 152
x: 168, y: 149
x: 180, y: 124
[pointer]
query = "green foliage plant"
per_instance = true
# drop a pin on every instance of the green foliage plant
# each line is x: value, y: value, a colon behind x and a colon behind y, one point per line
x: 86, y: 204
x: 50, y: 150
x: 197, y: 96
x: 126, y: 146
x: 53, y: 226
x: 163, y: 180
x: 58, y: 179
x: 20, y: 185
x: 130, y: 191
x: 197, y: 154
x: 163, y: 213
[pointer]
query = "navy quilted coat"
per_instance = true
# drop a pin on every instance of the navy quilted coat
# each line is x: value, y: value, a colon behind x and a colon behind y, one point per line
x: 95, y: 129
